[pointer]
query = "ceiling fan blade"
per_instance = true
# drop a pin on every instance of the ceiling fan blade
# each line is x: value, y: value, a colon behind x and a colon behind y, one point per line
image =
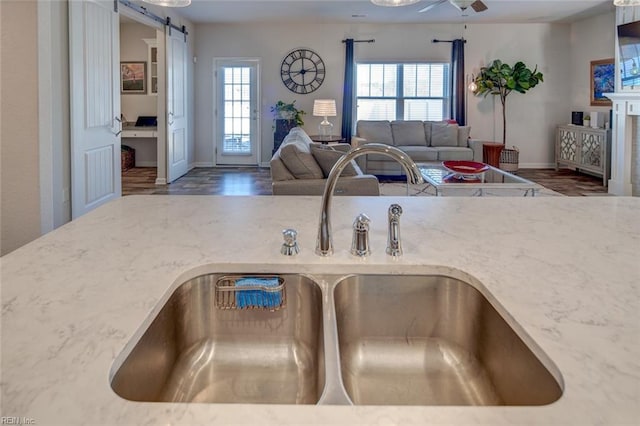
x: 432, y: 5
x: 478, y: 6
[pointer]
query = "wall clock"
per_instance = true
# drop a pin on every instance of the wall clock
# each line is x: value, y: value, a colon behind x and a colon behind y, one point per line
x: 302, y: 71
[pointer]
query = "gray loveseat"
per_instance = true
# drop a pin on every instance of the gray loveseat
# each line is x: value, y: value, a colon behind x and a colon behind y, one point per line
x: 301, y: 167
x: 423, y: 141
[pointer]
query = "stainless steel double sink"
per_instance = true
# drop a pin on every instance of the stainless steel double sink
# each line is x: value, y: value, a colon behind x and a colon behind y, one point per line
x: 354, y: 339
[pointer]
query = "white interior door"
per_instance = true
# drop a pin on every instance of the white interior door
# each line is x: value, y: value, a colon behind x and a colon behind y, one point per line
x: 237, y: 112
x: 94, y: 51
x: 177, y: 120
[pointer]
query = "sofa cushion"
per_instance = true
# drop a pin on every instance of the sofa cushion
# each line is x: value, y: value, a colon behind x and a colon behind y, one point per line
x: 299, y: 137
x: 453, y: 153
x: 301, y: 164
x: 279, y: 171
x: 375, y: 131
x: 463, y: 136
x: 444, y: 134
x: 327, y: 157
x: 421, y: 153
x: 408, y: 133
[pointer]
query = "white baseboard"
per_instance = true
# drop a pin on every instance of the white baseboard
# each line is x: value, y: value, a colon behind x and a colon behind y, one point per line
x: 265, y: 165
x: 161, y: 181
x: 203, y: 164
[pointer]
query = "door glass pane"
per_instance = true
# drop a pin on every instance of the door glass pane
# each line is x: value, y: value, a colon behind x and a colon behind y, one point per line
x: 237, y: 111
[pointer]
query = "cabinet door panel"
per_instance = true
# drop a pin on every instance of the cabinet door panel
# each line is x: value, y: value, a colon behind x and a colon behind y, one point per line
x: 568, y: 145
x: 591, y: 149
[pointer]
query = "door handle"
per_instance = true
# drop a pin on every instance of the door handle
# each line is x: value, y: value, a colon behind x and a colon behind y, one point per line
x: 170, y: 115
x: 119, y: 126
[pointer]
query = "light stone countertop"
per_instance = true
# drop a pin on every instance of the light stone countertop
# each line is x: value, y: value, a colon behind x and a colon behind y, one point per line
x: 566, y: 269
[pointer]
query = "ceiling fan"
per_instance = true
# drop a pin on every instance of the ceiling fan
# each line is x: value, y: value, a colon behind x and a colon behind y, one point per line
x: 462, y: 5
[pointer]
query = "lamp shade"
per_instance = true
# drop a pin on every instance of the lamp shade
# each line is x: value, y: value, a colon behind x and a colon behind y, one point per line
x: 394, y: 2
x: 169, y: 3
x: 324, y: 108
x: 626, y: 2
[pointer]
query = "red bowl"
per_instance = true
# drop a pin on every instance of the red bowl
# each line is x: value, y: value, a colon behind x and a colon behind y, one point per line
x: 465, y: 167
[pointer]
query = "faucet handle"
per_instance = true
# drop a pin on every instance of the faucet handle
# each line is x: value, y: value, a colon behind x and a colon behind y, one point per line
x: 395, y: 210
x: 394, y: 245
x: 360, y: 241
x: 290, y: 245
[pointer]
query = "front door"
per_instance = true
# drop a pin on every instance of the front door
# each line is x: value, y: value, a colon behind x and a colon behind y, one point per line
x: 94, y: 52
x: 237, y: 112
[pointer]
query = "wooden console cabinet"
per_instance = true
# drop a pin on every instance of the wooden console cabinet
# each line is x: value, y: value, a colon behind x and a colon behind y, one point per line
x: 585, y: 148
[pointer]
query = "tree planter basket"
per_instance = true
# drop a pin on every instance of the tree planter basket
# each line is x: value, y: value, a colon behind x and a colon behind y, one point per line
x: 509, y: 159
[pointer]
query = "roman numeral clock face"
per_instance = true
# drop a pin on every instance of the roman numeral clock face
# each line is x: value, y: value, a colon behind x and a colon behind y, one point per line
x: 302, y: 71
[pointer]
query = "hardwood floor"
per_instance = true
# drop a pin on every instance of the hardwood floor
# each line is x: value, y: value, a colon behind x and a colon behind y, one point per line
x: 257, y: 181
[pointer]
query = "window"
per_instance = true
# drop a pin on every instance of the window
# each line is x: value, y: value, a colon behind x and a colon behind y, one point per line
x: 406, y: 91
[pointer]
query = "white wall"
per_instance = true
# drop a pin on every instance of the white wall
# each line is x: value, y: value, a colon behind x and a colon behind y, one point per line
x: 591, y: 39
x: 271, y: 42
x: 19, y: 143
x: 134, y: 49
x: 531, y: 118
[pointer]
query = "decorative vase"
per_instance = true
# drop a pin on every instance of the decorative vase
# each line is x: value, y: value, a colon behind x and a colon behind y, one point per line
x: 586, y: 123
x: 491, y: 153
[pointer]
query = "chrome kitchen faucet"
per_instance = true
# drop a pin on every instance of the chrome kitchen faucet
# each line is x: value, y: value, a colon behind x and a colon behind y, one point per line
x: 324, y: 243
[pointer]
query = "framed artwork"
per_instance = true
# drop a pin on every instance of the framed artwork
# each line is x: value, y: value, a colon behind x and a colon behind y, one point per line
x: 602, y: 81
x: 133, y: 77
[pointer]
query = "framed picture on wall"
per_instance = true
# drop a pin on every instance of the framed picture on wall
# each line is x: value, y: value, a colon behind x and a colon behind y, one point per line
x: 602, y: 81
x: 133, y: 77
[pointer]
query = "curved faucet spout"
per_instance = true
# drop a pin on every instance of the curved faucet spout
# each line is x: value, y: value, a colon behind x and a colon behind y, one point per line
x: 324, y: 243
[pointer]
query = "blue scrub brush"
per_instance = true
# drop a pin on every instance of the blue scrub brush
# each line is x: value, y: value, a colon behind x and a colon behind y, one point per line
x: 255, y: 292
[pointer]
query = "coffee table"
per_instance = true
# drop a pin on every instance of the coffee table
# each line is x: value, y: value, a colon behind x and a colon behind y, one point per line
x: 493, y: 181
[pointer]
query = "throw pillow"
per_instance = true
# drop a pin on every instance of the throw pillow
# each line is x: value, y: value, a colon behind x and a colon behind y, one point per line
x: 444, y: 134
x: 375, y: 131
x: 299, y: 138
x: 327, y: 157
x: 408, y: 133
x: 301, y: 164
x: 463, y: 136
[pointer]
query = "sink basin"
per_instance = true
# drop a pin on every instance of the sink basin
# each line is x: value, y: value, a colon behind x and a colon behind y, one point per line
x: 432, y: 340
x: 195, y: 352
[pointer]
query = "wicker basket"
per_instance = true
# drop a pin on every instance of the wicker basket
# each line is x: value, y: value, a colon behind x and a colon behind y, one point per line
x: 127, y: 157
x: 509, y: 159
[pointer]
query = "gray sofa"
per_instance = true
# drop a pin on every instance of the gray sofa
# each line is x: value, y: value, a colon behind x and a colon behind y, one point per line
x: 301, y: 167
x: 423, y: 141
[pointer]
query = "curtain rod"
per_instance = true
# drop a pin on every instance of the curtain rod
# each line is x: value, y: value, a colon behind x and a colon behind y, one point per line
x: 143, y: 10
x: 372, y: 40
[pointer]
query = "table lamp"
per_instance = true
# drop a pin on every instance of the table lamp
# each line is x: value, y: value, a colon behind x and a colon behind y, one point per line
x: 325, y: 108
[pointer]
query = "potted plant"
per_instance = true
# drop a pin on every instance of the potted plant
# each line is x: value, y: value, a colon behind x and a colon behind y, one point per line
x: 285, y: 117
x: 501, y: 79
x: 586, y: 121
x: 284, y: 111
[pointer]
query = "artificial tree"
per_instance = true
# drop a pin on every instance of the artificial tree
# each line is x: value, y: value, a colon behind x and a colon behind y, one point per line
x: 501, y: 79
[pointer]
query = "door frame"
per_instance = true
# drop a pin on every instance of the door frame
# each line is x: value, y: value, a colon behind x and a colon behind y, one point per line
x: 215, y: 101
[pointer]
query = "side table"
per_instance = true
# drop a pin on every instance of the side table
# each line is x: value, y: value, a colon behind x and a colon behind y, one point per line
x: 491, y: 153
x: 327, y: 139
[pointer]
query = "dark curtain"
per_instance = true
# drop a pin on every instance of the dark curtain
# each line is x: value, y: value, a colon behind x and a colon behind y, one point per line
x: 347, y: 96
x: 457, y: 111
